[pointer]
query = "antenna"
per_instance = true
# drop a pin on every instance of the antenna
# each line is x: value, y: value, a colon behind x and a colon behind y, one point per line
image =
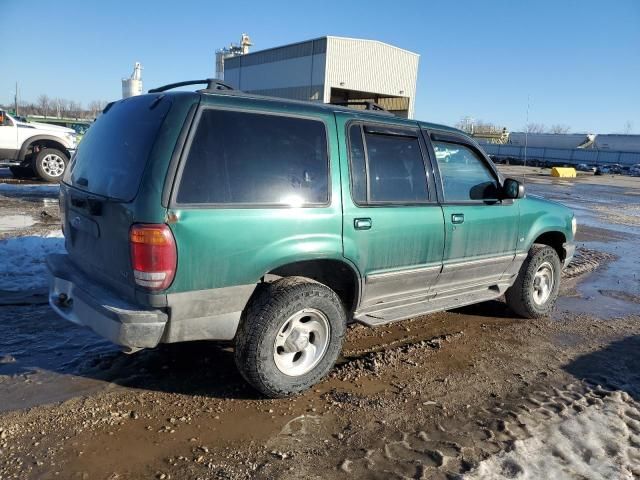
x: 526, y: 139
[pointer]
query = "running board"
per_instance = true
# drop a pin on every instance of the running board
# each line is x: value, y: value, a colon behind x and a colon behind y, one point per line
x: 396, y: 313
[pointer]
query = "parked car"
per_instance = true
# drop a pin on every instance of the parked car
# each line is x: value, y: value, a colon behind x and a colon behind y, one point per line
x: 583, y: 167
x: 35, y: 149
x: 634, y: 171
x: 613, y: 169
x: 271, y: 223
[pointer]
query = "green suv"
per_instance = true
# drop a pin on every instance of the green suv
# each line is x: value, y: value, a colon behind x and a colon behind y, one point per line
x: 219, y: 215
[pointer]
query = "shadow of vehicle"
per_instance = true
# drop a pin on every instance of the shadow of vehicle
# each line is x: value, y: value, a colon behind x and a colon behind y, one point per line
x: 614, y: 367
x: 35, y: 339
x: 491, y: 309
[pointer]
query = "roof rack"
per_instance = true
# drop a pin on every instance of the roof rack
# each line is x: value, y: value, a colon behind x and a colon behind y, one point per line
x: 368, y: 105
x: 212, y: 84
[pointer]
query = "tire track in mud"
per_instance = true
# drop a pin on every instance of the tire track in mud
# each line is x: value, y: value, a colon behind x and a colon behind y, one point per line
x: 463, y: 449
x: 586, y: 260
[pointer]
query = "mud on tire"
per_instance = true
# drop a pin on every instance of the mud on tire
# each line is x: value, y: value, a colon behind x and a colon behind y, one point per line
x: 521, y: 296
x: 268, y: 313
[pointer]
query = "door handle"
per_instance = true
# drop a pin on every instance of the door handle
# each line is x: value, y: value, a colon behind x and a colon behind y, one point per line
x: 457, y: 218
x: 362, y: 223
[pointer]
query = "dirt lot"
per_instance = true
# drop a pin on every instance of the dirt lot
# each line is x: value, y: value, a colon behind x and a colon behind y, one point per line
x: 473, y: 393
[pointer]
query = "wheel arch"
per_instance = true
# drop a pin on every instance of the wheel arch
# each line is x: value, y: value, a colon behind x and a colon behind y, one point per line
x: 554, y: 239
x: 45, y: 141
x: 339, y: 275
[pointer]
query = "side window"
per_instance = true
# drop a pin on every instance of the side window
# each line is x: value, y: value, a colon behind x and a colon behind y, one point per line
x: 5, y: 121
x: 392, y: 167
x: 358, y: 165
x: 465, y: 176
x: 256, y: 159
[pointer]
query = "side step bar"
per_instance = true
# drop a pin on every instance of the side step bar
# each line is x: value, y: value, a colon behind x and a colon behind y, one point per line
x: 387, y: 314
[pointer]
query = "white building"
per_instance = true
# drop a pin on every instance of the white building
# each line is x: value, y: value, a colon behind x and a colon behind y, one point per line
x: 331, y: 70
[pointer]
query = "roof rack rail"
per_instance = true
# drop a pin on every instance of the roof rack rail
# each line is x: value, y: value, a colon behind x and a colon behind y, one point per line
x: 368, y: 105
x: 212, y: 84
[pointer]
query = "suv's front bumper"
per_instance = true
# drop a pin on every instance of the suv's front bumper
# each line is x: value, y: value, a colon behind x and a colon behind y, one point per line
x: 569, y: 252
x: 80, y: 300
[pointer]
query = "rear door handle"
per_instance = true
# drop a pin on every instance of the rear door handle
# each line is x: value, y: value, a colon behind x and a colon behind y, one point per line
x: 362, y: 223
x: 457, y: 218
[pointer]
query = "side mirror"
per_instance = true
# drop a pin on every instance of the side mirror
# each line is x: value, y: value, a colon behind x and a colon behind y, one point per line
x: 512, y: 189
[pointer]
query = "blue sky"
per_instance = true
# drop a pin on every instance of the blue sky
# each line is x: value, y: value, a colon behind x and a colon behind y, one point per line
x: 579, y: 61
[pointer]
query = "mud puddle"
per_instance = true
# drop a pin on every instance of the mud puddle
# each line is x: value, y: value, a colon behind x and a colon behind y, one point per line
x: 41, y: 354
x: 615, y: 290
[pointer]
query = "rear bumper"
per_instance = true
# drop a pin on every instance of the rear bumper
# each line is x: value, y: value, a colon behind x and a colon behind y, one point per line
x: 77, y: 298
x: 569, y: 252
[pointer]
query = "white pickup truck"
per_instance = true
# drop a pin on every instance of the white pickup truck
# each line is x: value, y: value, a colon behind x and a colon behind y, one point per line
x: 30, y: 148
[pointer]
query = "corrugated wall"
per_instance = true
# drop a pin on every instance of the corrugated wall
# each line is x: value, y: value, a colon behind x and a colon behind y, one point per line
x: 371, y: 66
x: 294, y: 71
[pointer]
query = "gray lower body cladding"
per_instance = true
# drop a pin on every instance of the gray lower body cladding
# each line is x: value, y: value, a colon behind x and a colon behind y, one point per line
x: 201, y: 315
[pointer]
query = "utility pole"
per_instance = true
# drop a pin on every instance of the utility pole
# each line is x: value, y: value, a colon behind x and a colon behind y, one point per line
x: 16, y: 100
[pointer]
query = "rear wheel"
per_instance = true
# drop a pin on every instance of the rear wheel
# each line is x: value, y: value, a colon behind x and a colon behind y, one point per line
x: 50, y: 164
x: 290, y: 336
x: 22, y: 172
x: 535, y: 291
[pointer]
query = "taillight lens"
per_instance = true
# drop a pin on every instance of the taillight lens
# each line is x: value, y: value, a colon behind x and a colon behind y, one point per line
x: 153, y: 255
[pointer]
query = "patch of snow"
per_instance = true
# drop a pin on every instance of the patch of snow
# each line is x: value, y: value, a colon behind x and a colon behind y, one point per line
x: 15, y: 222
x: 600, y: 443
x: 22, y: 261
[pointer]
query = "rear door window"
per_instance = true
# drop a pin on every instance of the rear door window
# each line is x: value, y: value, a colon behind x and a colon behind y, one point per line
x: 386, y: 167
x: 254, y: 159
x: 113, y: 153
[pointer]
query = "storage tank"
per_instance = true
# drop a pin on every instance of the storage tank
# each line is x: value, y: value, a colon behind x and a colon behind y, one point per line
x: 620, y: 142
x: 548, y: 140
x: 133, y: 85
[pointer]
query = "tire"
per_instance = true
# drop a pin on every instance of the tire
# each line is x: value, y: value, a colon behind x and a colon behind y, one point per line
x: 22, y: 172
x: 527, y: 296
x: 278, y: 315
x: 50, y: 164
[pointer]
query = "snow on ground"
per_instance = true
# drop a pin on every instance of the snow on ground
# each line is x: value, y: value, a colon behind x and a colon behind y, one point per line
x: 15, y: 222
x: 22, y: 261
x: 600, y: 443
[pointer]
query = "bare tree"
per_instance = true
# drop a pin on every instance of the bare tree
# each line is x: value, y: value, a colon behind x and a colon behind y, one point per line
x: 58, y: 107
x: 559, y: 128
x: 75, y: 109
x: 534, y: 128
x: 44, y: 104
x: 466, y: 124
x: 96, y: 106
x: 628, y: 127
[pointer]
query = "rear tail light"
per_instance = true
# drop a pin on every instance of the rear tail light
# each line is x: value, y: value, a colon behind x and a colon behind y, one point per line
x: 153, y: 255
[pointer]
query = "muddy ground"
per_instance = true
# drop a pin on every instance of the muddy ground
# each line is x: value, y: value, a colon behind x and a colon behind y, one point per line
x: 474, y: 392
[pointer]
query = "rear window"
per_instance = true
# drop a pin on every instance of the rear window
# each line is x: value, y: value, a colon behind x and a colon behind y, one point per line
x: 113, y: 153
x: 241, y: 158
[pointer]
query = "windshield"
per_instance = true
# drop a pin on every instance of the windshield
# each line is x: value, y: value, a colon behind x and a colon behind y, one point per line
x: 113, y: 153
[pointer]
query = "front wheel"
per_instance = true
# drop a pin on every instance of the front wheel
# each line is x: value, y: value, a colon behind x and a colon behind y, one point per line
x: 290, y: 336
x: 50, y: 164
x: 535, y: 291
